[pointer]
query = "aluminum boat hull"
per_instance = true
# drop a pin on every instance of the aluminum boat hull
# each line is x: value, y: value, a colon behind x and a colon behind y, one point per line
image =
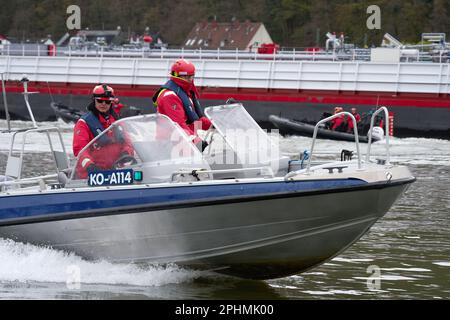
x: 247, y: 231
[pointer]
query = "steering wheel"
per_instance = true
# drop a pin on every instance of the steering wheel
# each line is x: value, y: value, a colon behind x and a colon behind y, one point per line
x: 123, y: 161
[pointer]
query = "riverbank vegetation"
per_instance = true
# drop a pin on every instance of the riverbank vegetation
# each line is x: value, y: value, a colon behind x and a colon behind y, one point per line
x: 291, y: 23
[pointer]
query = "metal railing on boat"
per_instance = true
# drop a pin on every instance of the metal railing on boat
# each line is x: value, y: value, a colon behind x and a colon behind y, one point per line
x: 316, y: 129
x: 386, y: 133
x: 14, y: 163
x: 439, y: 54
x: 355, y: 132
x: 264, y: 171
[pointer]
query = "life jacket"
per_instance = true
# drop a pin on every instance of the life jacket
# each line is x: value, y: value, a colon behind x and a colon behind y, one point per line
x: 97, y: 128
x: 193, y: 114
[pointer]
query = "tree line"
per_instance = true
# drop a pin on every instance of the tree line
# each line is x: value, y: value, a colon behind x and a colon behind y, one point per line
x: 291, y: 23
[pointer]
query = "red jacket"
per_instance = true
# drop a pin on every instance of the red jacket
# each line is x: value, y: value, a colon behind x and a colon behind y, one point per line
x: 336, y: 122
x: 171, y: 105
x: 350, y: 122
x: 102, y: 156
x: 117, y: 107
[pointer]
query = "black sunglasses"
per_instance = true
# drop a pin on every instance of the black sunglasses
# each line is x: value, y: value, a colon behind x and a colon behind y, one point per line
x: 101, y: 101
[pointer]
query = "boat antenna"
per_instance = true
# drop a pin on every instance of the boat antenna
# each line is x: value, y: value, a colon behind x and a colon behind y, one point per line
x: 5, y: 103
x: 25, y: 93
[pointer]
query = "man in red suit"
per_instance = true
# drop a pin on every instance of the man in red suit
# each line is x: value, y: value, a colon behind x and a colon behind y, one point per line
x: 178, y: 99
x: 109, y: 147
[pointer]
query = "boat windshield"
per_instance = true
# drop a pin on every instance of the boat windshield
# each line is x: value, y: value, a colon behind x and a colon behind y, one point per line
x: 151, y: 144
x: 251, y: 145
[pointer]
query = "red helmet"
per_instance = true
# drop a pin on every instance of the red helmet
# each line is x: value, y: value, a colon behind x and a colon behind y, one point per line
x: 182, y: 67
x: 338, y: 109
x: 104, y: 92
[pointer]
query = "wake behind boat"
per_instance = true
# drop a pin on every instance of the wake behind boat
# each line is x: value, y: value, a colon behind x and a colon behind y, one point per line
x: 238, y: 208
x: 294, y: 127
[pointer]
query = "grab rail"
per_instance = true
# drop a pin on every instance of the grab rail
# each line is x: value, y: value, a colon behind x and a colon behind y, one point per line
x: 266, y: 171
x: 33, y: 180
x: 355, y: 132
x: 386, y: 133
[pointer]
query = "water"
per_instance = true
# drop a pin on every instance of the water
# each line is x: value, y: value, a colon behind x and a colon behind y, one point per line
x: 405, y: 255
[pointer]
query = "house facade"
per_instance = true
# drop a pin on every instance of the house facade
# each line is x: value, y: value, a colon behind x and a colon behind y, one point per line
x: 227, y: 36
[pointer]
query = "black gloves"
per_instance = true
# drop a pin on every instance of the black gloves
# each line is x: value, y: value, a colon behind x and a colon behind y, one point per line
x: 204, y: 145
x: 201, y: 145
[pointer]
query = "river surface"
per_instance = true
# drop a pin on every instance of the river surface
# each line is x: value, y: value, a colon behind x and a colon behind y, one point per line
x: 405, y: 255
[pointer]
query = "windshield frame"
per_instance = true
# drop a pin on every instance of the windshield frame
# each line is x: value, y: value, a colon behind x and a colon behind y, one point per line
x: 154, y: 116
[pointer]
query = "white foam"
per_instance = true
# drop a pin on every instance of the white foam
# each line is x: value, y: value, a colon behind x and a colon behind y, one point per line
x: 25, y: 124
x: 340, y: 259
x: 386, y: 277
x: 349, y: 292
x: 442, y: 263
x: 282, y: 286
x: 395, y: 277
x: 319, y: 292
x: 296, y: 276
x: 25, y: 262
x: 407, y: 269
x: 333, y: 292
x: 417, y: 151
x: 37, y: 142
x: 315, y: 273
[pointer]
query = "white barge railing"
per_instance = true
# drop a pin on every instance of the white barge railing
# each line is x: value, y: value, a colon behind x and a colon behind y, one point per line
x: 431, y: 78
x: 356, y: 54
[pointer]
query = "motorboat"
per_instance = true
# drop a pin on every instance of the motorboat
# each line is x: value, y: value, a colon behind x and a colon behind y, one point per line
x: 295, y: 127
x: 240, y: 207
x: 66, y: 113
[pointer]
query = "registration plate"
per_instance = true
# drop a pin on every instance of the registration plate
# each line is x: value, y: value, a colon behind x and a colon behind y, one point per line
x: 111, y: 177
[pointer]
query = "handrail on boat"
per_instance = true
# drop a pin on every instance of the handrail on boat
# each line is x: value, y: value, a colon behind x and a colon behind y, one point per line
x: 14, y: 164
x: 265, y: 171
x: 25, y: 181
x: 45, y: 130
x: 386, y: 133
x: 355, y: 132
